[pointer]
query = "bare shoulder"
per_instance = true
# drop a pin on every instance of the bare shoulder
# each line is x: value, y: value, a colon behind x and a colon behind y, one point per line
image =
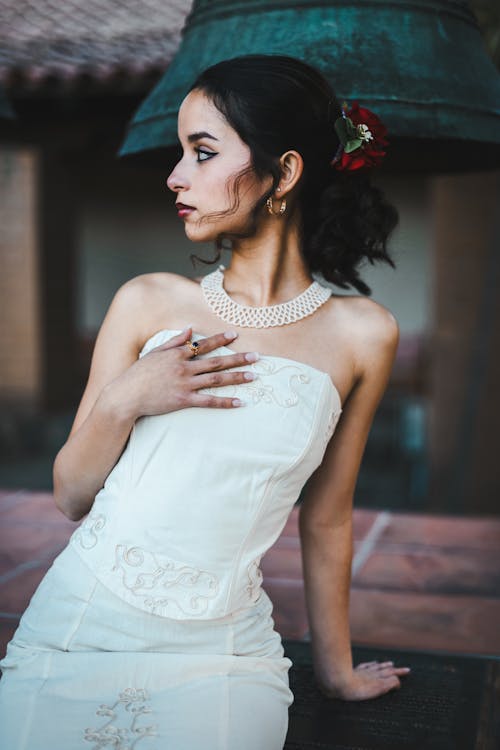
x: 371, y: 328
x: 372, y: 320
x: 157, y: 283
x: 138, y: 309
x: 148, y: 298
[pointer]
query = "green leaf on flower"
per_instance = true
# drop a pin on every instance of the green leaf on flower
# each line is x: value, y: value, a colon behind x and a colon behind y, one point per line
x: 341, y: 130
x: 352, y: 130
x: 347, y: 133
x: 352, y: 145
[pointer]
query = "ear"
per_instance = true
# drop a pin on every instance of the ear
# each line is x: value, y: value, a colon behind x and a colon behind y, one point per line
x: 292, y: 166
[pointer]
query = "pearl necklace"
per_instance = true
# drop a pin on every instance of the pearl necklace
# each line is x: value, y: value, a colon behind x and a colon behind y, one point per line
x: 261, y: 317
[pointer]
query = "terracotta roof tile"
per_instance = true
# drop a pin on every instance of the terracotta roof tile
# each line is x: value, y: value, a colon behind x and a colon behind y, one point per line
x: 65, y: 39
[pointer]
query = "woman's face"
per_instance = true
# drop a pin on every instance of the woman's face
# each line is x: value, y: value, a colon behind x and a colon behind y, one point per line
x: 213, y: 154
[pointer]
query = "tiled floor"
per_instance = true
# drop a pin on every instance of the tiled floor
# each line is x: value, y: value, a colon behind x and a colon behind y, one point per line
x: 418, y: 582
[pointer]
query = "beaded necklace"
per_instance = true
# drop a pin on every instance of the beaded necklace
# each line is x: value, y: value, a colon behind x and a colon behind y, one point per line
x: 260, y: 317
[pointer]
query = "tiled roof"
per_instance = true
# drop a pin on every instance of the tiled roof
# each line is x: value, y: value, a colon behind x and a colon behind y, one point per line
x: 43, y: 40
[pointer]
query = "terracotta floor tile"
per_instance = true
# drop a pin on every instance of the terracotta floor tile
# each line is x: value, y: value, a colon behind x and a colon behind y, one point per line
x: 362, y: 522
x: 450, y: 623
x: 23, y: 542
x: 35, y: 508
x: 280, y: 562
x: 6, y: 562
x: 7, y: 494
x: 291, y: 527
x: 286, y: 542
x: 31, y: 528
x: 443, y: 531
x: 21, y: 494
x: 452, y: 571
x: 289, y: 612
x: 15, y: 594
x: 12, y: 499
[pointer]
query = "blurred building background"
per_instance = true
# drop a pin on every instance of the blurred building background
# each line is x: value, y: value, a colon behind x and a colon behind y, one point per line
x: 76, y: 221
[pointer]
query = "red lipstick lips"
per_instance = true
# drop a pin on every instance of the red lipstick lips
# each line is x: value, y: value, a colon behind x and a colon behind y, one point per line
x: 183, y: 209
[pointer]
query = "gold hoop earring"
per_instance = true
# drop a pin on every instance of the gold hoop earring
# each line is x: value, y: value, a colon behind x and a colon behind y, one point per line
x: 269, y: 204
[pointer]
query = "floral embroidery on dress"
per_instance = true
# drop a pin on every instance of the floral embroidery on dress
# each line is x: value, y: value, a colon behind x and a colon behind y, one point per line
x: 187, y: 588
x: 114, y: 733
x: 87, y: 533
x: 330, y: 428
x: 258, y: 390
x: 254, y: 574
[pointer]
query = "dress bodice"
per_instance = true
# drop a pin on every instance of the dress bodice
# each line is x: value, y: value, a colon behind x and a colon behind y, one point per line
x: 200, y: 494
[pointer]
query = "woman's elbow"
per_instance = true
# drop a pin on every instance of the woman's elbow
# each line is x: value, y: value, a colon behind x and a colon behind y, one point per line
x: 63, y: 499
x: 64, y: 504
x: 70, y: 513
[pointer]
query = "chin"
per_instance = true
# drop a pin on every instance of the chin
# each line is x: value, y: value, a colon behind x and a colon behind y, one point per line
x: 210, y: 232
x: 196, y: 234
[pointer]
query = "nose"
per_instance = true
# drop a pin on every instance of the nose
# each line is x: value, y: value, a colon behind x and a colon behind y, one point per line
x: 175, y: 181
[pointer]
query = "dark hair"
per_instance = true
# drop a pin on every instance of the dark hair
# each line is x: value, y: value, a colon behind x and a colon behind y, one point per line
x: 278, y: 103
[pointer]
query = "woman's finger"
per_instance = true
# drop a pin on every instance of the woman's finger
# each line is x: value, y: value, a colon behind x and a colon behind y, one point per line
x: 177, y: 340
x: 390, y: 665
x: 218, y: 379
x: 212, y: 342
x: 401, y: 670
x: 389, y: 672
x: 219, y: 402
x: 223, y: 362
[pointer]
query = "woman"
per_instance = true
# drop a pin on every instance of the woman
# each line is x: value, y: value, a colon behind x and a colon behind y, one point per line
x: 188, y: 454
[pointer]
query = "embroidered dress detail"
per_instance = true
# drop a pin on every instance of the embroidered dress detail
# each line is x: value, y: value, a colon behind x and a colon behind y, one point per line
x: 254, y: 579
x: 121, y: 730
x: 266, y: 316
x: 259, y: 391
x: 87, y: 533
x: 180, y: 587
x: 330, y: 428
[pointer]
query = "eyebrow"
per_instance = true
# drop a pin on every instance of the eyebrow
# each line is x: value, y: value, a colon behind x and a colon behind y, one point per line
x: 202, y: 134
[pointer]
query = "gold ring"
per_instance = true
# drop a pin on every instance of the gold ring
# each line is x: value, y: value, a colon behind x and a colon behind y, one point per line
x: 193, y: 345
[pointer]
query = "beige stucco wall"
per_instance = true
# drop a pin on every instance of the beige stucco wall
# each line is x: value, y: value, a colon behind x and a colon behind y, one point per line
x: 20, y: 365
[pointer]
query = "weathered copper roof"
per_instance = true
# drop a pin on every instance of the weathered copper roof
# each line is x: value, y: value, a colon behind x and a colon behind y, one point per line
x: 47, y: 40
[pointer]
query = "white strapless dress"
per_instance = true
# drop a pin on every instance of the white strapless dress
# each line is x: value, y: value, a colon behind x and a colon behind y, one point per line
x: 151, y: 628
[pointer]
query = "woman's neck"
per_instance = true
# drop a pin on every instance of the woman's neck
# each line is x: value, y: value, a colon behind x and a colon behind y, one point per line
x: 267, y: 272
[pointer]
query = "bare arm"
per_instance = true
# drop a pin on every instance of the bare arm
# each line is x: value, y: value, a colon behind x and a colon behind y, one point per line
x: 103, y: 422
x: 83, y: 463
x: 325, y: 522
x: 327, y: 558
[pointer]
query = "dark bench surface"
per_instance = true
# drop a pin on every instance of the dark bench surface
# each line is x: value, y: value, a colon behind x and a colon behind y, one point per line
x: 446, y: 702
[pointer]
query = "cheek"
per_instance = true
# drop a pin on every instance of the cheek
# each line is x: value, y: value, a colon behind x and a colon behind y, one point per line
x: 245, y: 190
x: 218, y: 192
x: 229, y: 188
x: 215, y: 185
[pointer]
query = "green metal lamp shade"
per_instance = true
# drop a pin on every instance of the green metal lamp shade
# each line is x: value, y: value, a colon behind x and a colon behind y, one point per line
x: 421, y: 67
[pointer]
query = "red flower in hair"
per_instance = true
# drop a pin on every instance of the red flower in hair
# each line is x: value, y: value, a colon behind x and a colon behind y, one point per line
x: 362, y: 136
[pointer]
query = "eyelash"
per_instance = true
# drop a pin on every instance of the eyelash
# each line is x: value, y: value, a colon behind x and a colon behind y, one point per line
x: 200, y: 151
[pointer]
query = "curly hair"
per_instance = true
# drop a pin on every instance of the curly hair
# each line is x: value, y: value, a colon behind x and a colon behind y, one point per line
x: 278, y: 103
